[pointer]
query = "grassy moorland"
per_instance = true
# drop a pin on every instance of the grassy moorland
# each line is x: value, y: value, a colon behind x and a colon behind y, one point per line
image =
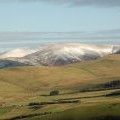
x: 20, y: 86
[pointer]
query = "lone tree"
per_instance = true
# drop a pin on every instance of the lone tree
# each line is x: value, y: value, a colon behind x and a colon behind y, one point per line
x: 54, y: 92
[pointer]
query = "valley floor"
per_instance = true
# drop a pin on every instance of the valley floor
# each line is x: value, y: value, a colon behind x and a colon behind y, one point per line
x: 77, y: 106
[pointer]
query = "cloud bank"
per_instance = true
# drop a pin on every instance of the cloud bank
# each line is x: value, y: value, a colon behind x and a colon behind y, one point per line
x: 12, y: 40
x: 100, y: 3
x: 82, y: 35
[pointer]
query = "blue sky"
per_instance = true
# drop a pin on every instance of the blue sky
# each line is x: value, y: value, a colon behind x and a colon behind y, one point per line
x: 46, y: 17
x: 27, y: 22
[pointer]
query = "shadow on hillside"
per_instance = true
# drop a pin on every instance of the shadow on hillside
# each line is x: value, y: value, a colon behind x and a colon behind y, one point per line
x: 109, y: 117
x: 10, y: 63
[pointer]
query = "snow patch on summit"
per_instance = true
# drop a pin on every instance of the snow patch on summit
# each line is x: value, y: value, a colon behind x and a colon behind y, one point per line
x: 17, y: 53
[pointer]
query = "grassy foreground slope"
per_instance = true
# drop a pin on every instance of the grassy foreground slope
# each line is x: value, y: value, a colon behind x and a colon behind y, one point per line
x: 94, y: 112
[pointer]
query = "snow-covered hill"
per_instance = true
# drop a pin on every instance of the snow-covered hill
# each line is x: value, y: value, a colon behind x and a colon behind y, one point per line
x: 60, y: 54
x: 20, y: 52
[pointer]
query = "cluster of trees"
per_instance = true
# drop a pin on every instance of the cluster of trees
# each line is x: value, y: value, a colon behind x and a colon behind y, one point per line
x: 115, y: 83
x: 104, y: 86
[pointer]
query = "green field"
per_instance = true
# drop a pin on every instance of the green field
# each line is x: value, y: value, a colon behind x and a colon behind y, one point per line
x: 20, y: 86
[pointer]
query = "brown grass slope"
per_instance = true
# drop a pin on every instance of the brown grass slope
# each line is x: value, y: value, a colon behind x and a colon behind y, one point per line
x: 35, y: 79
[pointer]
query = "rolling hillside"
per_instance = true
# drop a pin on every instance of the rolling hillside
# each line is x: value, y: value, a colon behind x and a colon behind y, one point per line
x: 20, y: 86
x: 35, y: 79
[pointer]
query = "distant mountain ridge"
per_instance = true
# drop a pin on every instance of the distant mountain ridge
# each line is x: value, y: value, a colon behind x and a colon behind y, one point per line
x: 58, y: 54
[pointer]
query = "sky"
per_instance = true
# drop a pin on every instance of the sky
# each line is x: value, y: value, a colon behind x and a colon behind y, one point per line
x: 29, y: 23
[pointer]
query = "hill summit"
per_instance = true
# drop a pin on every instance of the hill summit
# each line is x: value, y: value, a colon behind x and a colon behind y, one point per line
x: 61, y: 54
